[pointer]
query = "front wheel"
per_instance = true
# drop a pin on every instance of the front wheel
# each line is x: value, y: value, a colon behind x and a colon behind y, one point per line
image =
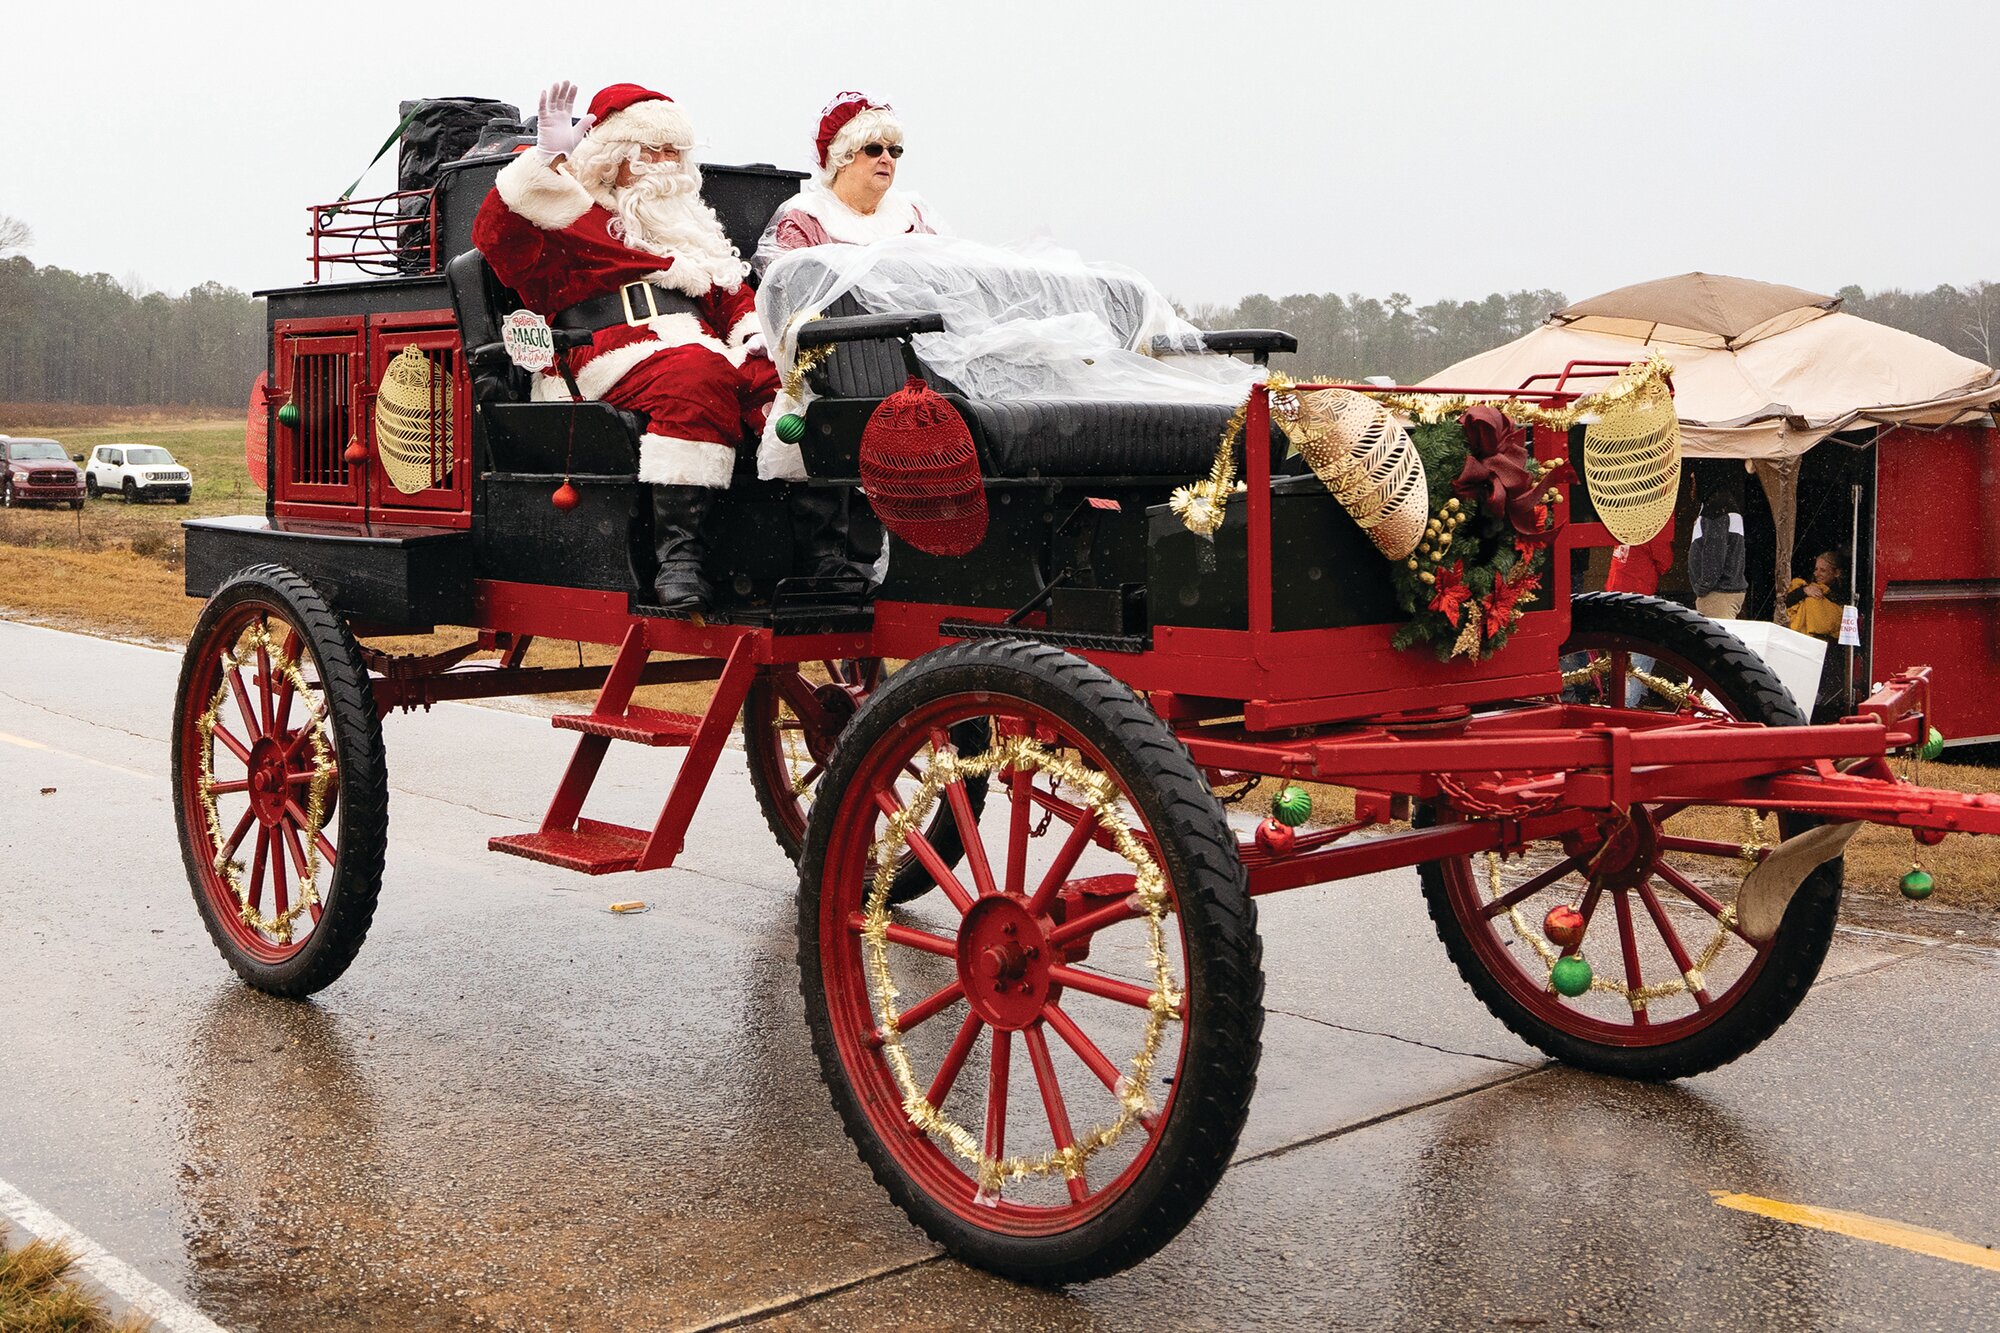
x: 280, y: 789
x: 76, y: 504
x: 131, y: 491
x: 1637, y: 913
x: 1047, y: 1063
x: 90, y: 487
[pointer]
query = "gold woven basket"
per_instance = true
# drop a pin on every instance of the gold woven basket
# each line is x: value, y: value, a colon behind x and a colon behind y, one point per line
x: 1632, y: 463
x: 1365, y: 457
x: 413, y: 425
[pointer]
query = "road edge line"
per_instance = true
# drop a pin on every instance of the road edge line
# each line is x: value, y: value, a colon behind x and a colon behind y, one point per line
x: 169, y: 1313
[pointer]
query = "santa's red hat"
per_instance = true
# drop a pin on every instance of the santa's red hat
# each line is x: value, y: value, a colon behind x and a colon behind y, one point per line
x: 849, y: 121
x: 628, y: 113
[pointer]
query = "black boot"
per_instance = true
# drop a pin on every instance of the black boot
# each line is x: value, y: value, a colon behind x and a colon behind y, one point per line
x: 823, y: 544
x: 678, y: 512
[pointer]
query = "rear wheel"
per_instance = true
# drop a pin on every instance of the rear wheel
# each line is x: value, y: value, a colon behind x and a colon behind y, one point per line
x: 280, y: 789
x: 1646, y: 900
x: 1048, y: 1063
x: 790, y: 724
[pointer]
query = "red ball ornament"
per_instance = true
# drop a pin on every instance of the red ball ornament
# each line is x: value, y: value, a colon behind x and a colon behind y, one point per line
x: 356, y: 452
x: 565, y: 497
x: 1564, y: 926
x: 1275, y: 839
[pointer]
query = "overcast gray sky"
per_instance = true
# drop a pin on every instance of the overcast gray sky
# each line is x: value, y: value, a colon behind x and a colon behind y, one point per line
x: 1438, y: 149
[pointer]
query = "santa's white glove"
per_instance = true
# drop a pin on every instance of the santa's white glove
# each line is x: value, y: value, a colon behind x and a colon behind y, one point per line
x: 554, y: 134
x: 754, y: 345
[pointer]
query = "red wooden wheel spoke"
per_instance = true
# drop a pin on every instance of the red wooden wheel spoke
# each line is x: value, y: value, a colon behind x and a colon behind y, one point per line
x: 914, y: 771
x: 1081, y: 832
x: 230, y: 743
x: 236, y: 835
x: 1698, y: 896
x: 280, y: 898
x: 909, y: 937
x: 1077, y: 815
x: 968, y: 836
x: 1534, y: 886
x: 243, y: 705
x: 1052, y: 1103
x: 228, y: 788
x: 920, y: 847
x: 1671, y: 939
x: 931, y: 1005
x: 811, y: 775
x: 1090, y: 923
x: 1729, y: 851
x: 281, y: 710
x: 297, y: 849
x: 954, y: 1060
x: 1086, y: 1050
x: 1628, y: 943
x: 254, y: 892
x: 996, y: 1097
x: 328, y: 853
x: 1096, y: 983
x: 264, y: 691
x: 1019, y: 804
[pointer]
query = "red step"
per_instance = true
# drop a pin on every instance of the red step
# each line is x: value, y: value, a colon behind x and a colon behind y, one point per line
x: 592, y: 847
x: 647, y: 726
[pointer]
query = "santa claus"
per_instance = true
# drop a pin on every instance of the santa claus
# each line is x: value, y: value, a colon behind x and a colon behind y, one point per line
x: 855, y: 199
x: 602, y: 227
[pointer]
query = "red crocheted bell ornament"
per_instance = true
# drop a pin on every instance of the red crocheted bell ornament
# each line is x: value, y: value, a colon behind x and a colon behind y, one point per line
x: 921, y: 472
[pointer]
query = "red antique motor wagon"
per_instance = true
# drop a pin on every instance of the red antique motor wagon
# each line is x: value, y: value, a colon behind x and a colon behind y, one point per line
x: 1027, y: 927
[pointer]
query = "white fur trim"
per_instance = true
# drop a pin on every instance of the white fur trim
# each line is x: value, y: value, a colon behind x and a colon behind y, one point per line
x: 537, y: 192
x: 603, y: 371
x: 548, y: 389
x: 687, y: 279
x: 655, y: 121
x: 867, y: 126
x: 895, y: 215
x: 667, y: 461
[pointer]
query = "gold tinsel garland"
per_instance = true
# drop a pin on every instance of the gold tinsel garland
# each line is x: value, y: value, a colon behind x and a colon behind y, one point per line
x: 279, y: 927
x: 1100, y: 793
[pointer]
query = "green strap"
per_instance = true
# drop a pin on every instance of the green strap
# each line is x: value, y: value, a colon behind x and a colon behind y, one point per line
x: 387, y: 143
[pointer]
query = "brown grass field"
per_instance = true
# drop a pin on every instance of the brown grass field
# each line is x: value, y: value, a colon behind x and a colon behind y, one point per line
x: 115, y: 569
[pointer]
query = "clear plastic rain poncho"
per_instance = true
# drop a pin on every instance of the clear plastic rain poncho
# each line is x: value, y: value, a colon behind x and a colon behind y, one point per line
x: 1033, y: 321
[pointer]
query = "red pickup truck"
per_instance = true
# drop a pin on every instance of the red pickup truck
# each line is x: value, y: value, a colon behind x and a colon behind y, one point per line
x: 38, y: 472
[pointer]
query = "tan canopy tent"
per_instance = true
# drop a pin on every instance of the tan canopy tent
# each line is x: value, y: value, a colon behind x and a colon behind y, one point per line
x: 1761, y: 372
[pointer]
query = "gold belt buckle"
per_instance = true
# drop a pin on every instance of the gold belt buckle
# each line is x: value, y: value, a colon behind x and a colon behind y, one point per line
x: 652, y: 306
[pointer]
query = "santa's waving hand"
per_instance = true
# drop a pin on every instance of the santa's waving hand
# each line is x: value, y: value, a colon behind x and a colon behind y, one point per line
x: 603, y: 228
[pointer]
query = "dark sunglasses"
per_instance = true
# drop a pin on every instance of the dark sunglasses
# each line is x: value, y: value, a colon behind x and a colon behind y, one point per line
x: 877, y: 149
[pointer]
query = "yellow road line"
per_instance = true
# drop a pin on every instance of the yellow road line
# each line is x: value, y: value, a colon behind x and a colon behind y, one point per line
x: 27, y: 744
x: 1918, y: 1240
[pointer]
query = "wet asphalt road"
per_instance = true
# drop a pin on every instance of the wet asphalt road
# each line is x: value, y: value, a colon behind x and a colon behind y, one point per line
x: 520, y: 1111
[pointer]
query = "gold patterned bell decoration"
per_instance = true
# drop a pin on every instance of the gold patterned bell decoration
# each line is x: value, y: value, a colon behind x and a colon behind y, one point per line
x: 1632, y: 462
x: 413, y: 421
x: 1357, y: 447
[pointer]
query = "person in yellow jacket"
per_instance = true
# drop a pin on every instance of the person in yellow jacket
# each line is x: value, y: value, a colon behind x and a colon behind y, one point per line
x: 1815, y: 608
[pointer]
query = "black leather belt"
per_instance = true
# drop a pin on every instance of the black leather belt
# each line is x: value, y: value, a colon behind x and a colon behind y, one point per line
x: 634, y: 303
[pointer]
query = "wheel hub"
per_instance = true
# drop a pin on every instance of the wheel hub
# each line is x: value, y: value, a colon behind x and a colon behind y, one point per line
x: 1004, y: 961
x: 269, y: 782
x: 1628, y: 853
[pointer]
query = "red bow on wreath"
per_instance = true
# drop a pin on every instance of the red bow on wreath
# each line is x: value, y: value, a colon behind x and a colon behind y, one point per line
x: 1498, y: 480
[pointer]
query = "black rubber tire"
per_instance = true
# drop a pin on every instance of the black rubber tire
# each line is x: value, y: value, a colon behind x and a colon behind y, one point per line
x: 1224, y: 981
x: 181, y: 499
x: 772, y: 786
x: 7, y: 500
x: 91, y: 490
x: 1752, y: 692
x: 131, y: 491
x: 361, y: 800
x: 75, y: 504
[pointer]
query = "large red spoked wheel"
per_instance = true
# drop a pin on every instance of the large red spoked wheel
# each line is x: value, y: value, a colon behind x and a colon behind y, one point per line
x: 1046, y: 1064
x: 1646, y: 900
x: 790, y: 724
x: 280, y: 790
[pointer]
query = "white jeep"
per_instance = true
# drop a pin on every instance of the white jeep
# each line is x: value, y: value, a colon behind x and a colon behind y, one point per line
x: 138, y: 471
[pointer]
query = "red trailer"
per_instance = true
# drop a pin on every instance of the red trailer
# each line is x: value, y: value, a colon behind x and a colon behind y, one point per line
x: 1027, y: 931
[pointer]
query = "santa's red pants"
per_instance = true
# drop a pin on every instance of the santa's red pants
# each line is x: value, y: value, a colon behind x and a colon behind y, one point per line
x: 699, y: 407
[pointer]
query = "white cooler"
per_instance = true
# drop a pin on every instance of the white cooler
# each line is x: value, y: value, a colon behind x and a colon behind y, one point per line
x: 1795, y: 657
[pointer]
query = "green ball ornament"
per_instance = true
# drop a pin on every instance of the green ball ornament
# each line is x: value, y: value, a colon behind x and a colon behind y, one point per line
x: 791, y: 428
x: 1570, y: 976
x: 1293, y: 807
x: 1918, y: 884
x: 1933, y: 744
x: 288, y: 415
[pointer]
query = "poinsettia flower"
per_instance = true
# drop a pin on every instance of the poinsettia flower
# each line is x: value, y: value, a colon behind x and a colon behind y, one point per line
x: 1500, y: 607
x: 1449, y: 594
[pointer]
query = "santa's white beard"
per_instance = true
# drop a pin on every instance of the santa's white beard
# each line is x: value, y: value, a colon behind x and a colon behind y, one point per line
x: 662, y: 212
